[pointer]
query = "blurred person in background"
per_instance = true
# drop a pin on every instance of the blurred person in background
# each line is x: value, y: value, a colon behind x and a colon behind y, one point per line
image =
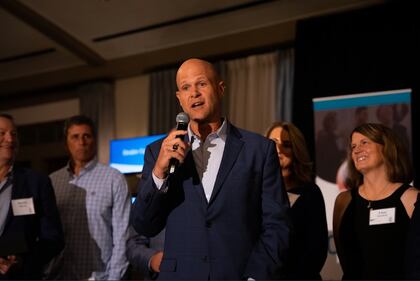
x: 309, y: 231
x: 94, y: 205
x: 30, y: 228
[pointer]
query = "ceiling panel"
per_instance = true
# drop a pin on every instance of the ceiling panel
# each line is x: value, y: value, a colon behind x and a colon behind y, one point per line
x: 39, y: 63
x: 96, y: 18
x: 46, y: 43
x: 18, y: 38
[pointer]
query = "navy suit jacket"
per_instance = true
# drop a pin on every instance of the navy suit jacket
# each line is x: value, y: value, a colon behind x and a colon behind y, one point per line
x: 241, y: 232
x: 42, y: 232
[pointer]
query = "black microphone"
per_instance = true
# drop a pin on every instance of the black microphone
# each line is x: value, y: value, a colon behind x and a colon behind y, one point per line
x: 182, y: 121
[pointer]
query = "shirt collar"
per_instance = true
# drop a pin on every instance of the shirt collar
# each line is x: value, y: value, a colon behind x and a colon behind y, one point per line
x: 9, y: 172
x: 8, y: 178
x: 89, y: 166
x: 221, y: 132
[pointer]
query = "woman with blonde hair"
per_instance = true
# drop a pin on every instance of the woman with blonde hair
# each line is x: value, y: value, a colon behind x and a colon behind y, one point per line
x: 309, y: 232
x: 371, y: 220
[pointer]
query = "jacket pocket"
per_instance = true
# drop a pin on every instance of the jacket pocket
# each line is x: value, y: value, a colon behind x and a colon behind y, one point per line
x: 168, y: 265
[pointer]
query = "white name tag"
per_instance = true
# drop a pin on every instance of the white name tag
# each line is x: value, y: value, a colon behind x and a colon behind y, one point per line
x: 23, y: 207
x: 382, y: 216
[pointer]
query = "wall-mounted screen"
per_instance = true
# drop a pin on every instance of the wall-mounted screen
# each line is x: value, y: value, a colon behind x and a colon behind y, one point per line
x: 127, y: 155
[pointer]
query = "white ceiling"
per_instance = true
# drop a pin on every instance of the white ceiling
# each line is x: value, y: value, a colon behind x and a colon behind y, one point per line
x: 46, y: 43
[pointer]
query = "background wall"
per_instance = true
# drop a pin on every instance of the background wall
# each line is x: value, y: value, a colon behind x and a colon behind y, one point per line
x: 132, y: 106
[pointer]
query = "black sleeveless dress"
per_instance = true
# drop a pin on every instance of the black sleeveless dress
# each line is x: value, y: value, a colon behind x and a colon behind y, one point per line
x: 381, y: 246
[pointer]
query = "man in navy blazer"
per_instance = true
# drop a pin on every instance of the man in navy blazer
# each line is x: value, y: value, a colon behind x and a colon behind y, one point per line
x: 224, y: 207
x: 30, y: 227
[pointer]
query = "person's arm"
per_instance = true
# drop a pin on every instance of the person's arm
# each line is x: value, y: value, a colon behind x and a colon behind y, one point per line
x: 50, y: 239
x: 139, y: 252
x: 269, y: 251
x: 152, y: 204
x: 412, y: 257
x: 118, y: 263
x: 313, y: 251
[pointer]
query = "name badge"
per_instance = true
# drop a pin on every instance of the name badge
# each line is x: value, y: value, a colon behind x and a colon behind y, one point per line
x: 23, y: 207
x: 382, y: 216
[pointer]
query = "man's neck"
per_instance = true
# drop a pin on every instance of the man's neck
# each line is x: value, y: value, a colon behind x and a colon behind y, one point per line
x: 202, y: 130
x: 4, y: 170
x: 77, y: 166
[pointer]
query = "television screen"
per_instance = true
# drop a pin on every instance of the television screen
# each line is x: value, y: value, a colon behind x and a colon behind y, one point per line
x: 127, y: 155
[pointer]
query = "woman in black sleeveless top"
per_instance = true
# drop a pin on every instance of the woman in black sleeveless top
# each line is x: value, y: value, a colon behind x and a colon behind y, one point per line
x: 371, y: 220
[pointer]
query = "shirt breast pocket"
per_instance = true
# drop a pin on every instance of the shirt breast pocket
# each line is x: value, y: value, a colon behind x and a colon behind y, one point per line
x: 99, y: 202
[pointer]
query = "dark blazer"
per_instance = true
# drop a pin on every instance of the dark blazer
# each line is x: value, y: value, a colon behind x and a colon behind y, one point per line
x: 309, y: 235
x: 241, y: 232
x: 141, y: 248
x: 42, y: 232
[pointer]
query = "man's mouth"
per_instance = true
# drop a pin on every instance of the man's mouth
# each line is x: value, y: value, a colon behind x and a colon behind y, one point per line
x: 197, y: 104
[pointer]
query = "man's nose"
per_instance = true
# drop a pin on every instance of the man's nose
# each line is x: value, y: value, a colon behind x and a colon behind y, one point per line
x: 195, y: 92
x: 81, y: 141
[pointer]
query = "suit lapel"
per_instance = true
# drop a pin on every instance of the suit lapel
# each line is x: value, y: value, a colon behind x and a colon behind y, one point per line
x: 232, y: 149
x: 17, y: 190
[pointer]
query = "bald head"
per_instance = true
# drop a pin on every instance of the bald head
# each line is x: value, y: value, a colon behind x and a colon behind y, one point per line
x: 194, y: 64
x: 200, y: 92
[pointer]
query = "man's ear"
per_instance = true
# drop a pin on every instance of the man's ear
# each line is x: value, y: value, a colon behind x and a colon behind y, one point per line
x: 222, y: 88
x: 179, y: 99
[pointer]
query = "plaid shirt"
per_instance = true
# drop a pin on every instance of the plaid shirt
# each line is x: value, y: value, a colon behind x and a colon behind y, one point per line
x: 94, y: 209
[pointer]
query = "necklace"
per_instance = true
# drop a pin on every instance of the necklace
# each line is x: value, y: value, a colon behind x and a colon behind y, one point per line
x: 369, y: 205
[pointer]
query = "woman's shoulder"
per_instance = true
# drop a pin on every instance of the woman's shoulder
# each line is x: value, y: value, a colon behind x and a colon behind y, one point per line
x: 409, y: 199
x: 410, y: 194
x: 309, y: 192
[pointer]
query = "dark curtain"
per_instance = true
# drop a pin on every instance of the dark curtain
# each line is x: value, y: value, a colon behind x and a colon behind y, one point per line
x: 367, y: 50
x: 97, y: 101
x: 163, y: 103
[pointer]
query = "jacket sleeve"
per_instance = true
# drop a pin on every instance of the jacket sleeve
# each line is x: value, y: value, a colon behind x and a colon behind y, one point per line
x: 51, y: 239
x: 139, y: 252
x: 314, y: 249
x: 151, y: 209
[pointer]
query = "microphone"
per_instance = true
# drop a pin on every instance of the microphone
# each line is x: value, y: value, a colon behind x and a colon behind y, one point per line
x: 182, y: 121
